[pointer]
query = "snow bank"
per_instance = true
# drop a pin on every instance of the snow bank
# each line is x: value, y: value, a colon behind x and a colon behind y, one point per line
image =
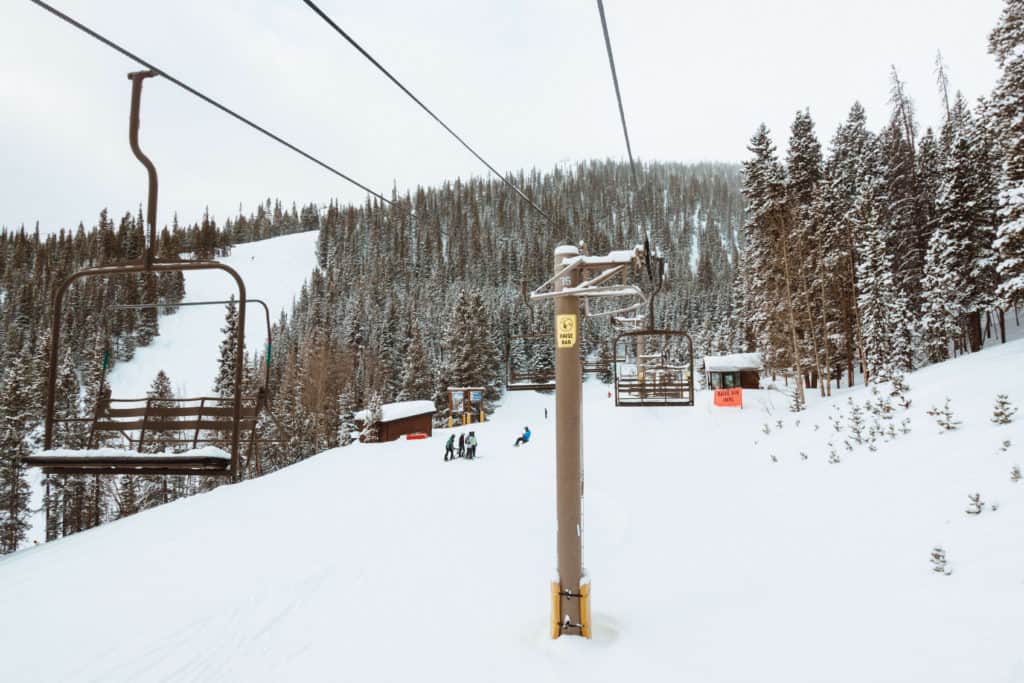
x: 400, y: 410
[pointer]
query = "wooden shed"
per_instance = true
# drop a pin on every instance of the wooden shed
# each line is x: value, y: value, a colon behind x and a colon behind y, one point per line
x: 398, y: 419
x: 741, y: 370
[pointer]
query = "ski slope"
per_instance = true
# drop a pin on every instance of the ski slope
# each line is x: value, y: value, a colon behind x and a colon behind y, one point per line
x: 710, y: 560
x: 187, y: 349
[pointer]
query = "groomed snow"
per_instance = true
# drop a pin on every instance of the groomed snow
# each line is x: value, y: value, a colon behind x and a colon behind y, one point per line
x: 716, y: 553
x: 400, y: 410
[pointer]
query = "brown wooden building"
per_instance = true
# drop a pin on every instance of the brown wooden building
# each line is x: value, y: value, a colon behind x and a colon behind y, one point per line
x: 741, y: 370
x: 399, y: 419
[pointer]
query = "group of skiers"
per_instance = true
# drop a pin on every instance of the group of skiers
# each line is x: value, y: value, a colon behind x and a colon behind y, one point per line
x: 467, y: 447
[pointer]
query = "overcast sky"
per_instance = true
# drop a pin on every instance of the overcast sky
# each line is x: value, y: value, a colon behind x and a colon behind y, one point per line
x: 525, y: 82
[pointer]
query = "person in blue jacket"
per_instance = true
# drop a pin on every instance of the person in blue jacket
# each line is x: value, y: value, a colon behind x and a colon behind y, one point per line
x: 525, y: 438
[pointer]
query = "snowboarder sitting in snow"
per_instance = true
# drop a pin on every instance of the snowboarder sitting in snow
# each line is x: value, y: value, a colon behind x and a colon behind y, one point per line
x: 471, y: 444
x: 462, y: 445
x: 525, y: 438
x: 449, y: 448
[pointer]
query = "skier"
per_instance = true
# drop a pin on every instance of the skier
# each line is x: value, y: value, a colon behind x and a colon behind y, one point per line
x: 462, y: 445
x: 525, y: 438
x: 471, y: 443
x: 449, y: 448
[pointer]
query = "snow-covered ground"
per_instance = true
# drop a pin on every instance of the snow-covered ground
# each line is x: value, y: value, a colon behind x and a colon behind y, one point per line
x: 710, y: 559
x: 188, y: 346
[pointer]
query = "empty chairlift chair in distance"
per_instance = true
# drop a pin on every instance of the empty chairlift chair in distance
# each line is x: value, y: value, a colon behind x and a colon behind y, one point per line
x: 531, y: 363
x: 653, y: 368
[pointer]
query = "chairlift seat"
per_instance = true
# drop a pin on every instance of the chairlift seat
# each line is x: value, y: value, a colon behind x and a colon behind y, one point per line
x: 208, y: 460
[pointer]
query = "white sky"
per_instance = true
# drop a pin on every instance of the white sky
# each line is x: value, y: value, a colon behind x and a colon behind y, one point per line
x: 525, y: 82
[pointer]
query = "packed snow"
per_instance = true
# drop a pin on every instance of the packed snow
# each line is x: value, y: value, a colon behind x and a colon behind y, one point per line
x: 274, y: 270
x: 717, y: 551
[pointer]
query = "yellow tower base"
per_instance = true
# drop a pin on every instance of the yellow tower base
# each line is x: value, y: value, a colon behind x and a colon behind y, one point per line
x: 556, y: 610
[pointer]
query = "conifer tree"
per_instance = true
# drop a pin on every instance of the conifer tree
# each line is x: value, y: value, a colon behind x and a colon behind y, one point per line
x: 1006, y: 43
x: 417, y: 381
x: 15, y: 422
x: 224, y: 384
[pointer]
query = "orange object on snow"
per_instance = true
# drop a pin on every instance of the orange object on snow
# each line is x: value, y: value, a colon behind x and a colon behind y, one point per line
x: 415, y: 435
x: 729, y: 398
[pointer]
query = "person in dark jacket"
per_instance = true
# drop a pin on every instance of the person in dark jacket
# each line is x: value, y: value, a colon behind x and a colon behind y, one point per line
x: 525, y: 438
x: 471, y: 446
x: 449, y: 448
x: 462, y: 445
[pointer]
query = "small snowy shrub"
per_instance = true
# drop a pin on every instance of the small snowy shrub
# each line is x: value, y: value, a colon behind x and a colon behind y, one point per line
x: 1015, y: 474
x: 938, y: 560
x: 833, y: 457
x: 855, y: 422
x: 766, y: 429
x: 774, y: 459
x: 1003, y: 412
x: 778, y: 424
x: 975, y: 504
x: 900, y: 391
x: 944, y: 417
x: 1004, y: 446
x: 803, y: 456
x: 796, y: 401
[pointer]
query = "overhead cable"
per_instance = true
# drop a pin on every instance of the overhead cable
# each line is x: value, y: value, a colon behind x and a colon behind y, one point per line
x: 209, y: 100
x: 313, y: 6
x: 618, y: 93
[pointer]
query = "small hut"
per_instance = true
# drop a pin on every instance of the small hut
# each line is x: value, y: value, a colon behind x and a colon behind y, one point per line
x: 742, y: 370
x: 398, y: 419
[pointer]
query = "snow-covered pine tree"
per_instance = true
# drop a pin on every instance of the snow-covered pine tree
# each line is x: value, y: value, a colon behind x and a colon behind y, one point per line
x: 944, y: 417
x: 346, y: 421
x: 938, y: 560
x: 975, y: 504
x: 16, y: 421
x: 883, y: 309
x: 1006, y: 43
x: 374, y: 413
x: 224, y: 383
x: 148, y: 325
x: 772, y: 287
x: 1003, y: 411
x: 417, y: 380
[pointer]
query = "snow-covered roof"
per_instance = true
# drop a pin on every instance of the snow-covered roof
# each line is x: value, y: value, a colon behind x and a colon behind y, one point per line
x: 400, y: 410
x: 95, y: 453
x: 733, y: 362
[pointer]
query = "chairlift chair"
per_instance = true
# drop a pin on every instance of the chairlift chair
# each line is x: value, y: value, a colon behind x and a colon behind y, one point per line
x: 129, y: 417
x: 653, y: 368
x: 521, y: 378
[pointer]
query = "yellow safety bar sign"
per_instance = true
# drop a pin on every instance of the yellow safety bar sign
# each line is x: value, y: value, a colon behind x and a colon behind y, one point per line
x: 565, y: 326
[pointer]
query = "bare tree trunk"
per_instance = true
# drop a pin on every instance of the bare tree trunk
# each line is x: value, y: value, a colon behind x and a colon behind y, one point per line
x: 858, y: 332
x: 826, y: 384
x: 797, y: 368
x: 1002, y: 324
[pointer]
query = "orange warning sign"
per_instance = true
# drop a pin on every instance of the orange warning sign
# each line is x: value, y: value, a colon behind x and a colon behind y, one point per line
x: 729, y: 398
